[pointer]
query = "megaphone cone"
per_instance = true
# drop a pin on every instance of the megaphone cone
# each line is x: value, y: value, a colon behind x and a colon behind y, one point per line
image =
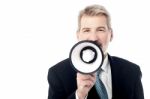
x: 86, y: 57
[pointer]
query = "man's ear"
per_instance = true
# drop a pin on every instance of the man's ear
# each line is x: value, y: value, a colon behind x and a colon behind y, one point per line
x: 112, y: 34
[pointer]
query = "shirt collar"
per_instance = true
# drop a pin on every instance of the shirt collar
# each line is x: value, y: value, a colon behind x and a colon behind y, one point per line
x: 105, y: 64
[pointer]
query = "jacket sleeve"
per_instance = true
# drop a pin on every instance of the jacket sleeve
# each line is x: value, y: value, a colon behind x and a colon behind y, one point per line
x: 138, y: 92
x: 56, y: 88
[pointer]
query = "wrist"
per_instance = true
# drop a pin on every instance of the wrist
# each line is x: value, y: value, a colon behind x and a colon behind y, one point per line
x: 80, y: 95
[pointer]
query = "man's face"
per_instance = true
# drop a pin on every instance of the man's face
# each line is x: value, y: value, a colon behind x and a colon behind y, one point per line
x: 95, y: 28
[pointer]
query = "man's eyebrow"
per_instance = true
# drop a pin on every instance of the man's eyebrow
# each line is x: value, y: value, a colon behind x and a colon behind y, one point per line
x: 85, y: 28
x: 101, y: 27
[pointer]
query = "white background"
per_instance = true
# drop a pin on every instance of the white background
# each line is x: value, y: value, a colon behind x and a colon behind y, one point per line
x: 36, y: 34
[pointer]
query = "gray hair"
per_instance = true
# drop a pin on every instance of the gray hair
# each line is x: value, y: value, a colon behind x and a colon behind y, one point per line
x: 94, y: 10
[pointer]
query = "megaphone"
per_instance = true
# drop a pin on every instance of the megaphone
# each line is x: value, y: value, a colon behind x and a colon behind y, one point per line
x: 86, y: 56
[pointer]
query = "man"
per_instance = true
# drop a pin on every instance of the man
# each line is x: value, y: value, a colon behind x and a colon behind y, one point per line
x: 121, y: 78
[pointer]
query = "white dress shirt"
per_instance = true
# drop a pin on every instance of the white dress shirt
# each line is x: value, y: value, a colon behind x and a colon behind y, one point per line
x: 105, y: 76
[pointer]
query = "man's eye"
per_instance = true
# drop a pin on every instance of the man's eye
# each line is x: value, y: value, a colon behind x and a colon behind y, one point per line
x: 101, y: 30
x: 86, y: 31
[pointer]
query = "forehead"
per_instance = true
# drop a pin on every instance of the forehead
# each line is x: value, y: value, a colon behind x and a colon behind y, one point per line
x: 93, y: 21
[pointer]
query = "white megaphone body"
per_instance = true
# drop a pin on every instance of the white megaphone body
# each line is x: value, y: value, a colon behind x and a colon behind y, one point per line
x: 86, y: 57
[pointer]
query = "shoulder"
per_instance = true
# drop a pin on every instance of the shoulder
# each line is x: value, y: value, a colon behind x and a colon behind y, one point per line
x: 62, y: 73
x: 62, y: 68
x: 60, y: 65
x: 124, y: 64
x: 122, y: 61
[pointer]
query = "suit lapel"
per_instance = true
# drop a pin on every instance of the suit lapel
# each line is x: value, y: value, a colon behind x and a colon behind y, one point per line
x: 114, y: 76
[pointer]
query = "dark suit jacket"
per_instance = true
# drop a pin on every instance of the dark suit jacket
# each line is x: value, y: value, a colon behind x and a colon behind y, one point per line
x: 126, y: 81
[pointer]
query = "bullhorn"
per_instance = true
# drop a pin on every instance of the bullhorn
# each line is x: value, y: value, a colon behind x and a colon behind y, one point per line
x: 86, y: 56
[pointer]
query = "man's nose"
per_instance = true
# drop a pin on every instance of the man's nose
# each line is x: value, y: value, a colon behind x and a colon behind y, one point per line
x: 93, y: 37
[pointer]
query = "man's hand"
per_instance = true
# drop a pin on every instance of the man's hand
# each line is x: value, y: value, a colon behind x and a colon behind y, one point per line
x: 84, y: 83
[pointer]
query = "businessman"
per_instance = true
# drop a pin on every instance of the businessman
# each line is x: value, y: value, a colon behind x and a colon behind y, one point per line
x: 120, y: 77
